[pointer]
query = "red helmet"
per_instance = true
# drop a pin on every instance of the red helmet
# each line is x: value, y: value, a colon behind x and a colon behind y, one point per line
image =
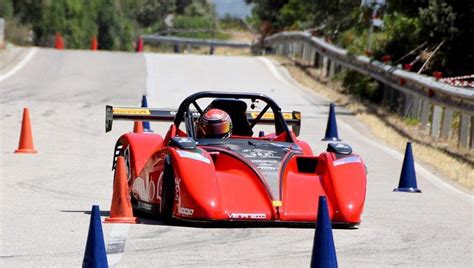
x: 214, y: 124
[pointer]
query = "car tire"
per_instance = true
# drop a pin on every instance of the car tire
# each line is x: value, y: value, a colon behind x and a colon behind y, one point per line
x: 168, y: 194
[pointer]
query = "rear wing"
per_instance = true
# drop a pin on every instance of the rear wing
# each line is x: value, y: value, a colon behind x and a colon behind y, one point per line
x: 151, y: 114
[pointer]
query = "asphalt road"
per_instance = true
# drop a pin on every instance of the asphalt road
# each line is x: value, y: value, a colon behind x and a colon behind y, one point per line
x: 46, y: 198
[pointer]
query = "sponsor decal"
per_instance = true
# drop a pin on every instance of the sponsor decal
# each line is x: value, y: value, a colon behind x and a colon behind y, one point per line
x: 276, y: 203
x: 195, y: 114
x: 151, y: 192
x: 145, y: 206
x: 286, y: 115
x: 193, y: 155
x: 260, y: 153
x: 159, y: 187
x: 265, y: 115
x: 347, y: 160
x: 139, y: 187
x: 253, y: 216
x: 186, y: 211
x: 177, y: 190
x: 131, y: 111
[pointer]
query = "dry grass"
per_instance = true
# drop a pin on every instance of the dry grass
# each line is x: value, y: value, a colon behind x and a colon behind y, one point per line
x: 242, y: 36
x: 203, y: 50
x: 455, y: 164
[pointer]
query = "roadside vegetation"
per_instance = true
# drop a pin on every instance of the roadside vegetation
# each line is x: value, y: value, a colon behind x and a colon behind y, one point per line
x: 115, y: 23
x: 425, y: 36
x: 452, y: 162
x: 411, y: 30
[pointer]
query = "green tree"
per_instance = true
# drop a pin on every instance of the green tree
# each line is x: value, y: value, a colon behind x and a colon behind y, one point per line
x: 153, y: 11
x: 6, y: 8
x: 114, y: 29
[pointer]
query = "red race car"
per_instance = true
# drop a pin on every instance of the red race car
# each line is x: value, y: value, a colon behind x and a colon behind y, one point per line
x: 237, y: 177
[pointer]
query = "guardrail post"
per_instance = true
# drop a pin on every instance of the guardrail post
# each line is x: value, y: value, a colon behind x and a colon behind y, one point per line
x: 301, y: 52
x: 415, y: 111
x: 332, y: 68
x: 387, y: 95
x: 425, y: 112
x: 436, y: 121
x: 306, y: 50
x: 446, y: 126
x: 295, y: 50
x: 317, y: 59
x: 401, y: 103
x: 394, y: 100
x: 292, y: 51
x: 324, y: 67
x: 412, y: 106
x: 408, y: 105
x: 337, y: 68
x: 309, y: 54
x: 464, y: 137
x: 472, y: 132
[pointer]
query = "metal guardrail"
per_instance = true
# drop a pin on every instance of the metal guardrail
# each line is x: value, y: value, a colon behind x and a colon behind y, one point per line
x: 158, y: 39
x: 434, y: 103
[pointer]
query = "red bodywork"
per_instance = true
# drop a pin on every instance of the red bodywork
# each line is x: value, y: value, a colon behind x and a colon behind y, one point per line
x: 217, y: 183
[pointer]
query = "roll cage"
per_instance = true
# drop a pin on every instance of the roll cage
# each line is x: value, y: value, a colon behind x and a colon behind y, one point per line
x: 187, y: 115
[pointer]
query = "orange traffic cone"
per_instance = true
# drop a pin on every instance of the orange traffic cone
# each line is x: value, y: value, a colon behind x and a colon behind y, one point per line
x: 25, y: 145
x: 138, y: 127
x: 139, y: 46
x: 58, y: 41
x: 94, y: 43
x: 121, y: 209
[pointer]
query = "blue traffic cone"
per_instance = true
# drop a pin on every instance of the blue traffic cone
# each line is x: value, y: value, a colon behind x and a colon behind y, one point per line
x: 331, y: 128
x: 95, y: 255
x: 146, y: 124
x: 408, y: 176
x: 324, y: 252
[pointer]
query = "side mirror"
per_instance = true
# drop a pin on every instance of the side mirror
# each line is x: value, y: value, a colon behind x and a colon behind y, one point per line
x: 185, y: 143
x: 339, y: 148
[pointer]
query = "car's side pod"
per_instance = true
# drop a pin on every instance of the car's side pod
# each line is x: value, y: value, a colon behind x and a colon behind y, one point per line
x: 344, y: 180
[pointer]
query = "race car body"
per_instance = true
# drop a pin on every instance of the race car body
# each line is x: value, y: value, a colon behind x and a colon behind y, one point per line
x: 264, y: 178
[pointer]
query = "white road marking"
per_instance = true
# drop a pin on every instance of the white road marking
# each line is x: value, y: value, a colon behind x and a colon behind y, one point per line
x: 272, y: 68
x: 23, y: 62
x: 435, y: 180
x: 116, y: 245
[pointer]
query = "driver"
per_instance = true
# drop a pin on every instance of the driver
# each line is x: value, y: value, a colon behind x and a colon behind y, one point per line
x: 214, y: 124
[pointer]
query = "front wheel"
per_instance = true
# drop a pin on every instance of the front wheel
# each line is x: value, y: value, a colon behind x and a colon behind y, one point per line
x: 168, y: 194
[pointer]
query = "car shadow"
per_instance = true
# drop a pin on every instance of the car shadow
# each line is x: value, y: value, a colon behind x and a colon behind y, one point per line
x: 151, y: 220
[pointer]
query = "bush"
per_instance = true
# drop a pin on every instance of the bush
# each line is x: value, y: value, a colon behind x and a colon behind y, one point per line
x: 400, y: 35
x: 362, y: 86
x: 192, y: 22
x: 17, y: 33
